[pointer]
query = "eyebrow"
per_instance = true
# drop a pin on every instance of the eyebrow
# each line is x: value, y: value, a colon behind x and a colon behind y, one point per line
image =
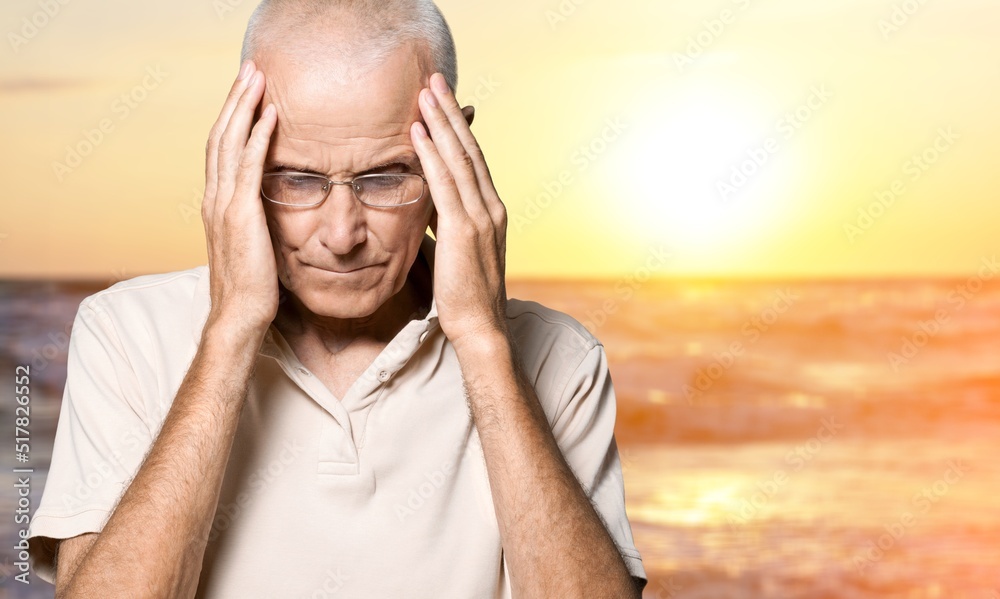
x: 408, y: 161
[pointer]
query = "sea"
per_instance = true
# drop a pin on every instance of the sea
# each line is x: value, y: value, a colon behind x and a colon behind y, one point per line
x: 791, y: 439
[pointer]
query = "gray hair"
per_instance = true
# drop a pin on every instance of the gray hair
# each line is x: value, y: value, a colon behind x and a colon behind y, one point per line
x: 383, y: 26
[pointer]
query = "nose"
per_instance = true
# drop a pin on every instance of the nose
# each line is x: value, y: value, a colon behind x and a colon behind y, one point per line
x: 342, y: 220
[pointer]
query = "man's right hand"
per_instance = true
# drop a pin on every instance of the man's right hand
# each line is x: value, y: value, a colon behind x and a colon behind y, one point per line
x: 243, y: 274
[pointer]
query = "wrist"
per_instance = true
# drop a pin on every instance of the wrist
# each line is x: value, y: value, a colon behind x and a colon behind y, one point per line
x: 233, y: 332
x: 495, y: 344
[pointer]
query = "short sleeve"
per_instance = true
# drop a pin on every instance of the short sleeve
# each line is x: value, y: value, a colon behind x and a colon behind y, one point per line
x: 584, y: 431
x: 101, y: 438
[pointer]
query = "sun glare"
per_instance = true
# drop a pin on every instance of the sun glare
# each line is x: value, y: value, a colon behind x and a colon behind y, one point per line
x: 706, y: 173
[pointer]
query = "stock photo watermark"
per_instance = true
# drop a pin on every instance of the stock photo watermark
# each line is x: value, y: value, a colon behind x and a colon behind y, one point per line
x: 58, y: 342
x: 22, y: 474
x: 667, y: 589
x: 223, y: 8
x: 790, y: 123
x: 923, y: 501
x: 899, y: 17
x: 626, y: 287
x: 582, y: 158
x: 911, y: 344
x: 486, y: 86
x: 914, y: 167
x: 32, y: 25
x: 712, y: 29
x: 420, y: 493
x: 562, y: 12
x: 227, y: 513
x: 752, y: 330
x: 110, y: 470
x: 796, y: 458
x: 121, y: 107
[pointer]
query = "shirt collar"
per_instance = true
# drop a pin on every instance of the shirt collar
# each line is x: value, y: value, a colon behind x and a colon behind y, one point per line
x: 203, y: 300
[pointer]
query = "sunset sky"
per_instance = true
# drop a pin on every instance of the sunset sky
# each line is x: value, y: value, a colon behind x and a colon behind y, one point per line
x: 738, y: 138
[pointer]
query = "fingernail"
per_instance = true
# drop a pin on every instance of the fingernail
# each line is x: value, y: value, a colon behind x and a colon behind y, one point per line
x: 430, y: 99
x: 244, y: 71
x: 439, y: 83
x: 421, y: 132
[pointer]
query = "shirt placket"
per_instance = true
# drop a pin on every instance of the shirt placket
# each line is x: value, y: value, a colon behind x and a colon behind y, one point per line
x: 344, y: 438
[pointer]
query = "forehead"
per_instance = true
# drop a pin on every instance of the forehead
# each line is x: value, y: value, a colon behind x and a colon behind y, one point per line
x: 334, y: 114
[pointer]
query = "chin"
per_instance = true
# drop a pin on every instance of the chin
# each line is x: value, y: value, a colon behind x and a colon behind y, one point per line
x: 331, y: 302
x: 332, y: 296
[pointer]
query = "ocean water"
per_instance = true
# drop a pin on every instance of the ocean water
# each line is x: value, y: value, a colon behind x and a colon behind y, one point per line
x: 821, y: 439
x: 805, y: 439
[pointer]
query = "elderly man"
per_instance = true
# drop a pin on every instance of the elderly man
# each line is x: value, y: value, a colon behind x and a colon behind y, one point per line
x: 338, y: 404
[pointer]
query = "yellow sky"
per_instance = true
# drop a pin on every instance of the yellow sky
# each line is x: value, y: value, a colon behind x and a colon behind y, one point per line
x: 733, y: 138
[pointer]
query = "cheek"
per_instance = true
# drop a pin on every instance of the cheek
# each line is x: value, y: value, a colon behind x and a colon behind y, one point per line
x: 286, y: 232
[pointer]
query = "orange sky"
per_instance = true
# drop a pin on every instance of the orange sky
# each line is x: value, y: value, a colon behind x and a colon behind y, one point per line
x: 736, y: 138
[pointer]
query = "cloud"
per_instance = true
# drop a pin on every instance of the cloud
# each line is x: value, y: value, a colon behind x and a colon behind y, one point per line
x: 40, y: 84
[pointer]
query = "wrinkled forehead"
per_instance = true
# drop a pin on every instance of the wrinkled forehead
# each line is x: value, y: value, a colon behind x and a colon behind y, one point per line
x: 337, y: 88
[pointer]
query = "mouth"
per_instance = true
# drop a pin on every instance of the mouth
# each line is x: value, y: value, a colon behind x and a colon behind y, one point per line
x: 344, y: 272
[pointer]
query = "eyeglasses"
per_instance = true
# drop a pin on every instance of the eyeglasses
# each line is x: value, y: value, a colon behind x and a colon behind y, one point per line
x: 387, y: 190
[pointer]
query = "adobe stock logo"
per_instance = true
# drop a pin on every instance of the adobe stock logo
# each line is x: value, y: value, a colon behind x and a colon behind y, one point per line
x: 915, y: 167
x: 122, y: 107
x: 900, y: 16
x: 33, y: 25
x: 923, y: 501
x: 786, y: 128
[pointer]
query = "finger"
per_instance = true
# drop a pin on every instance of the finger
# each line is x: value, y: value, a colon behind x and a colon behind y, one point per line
x: 212, y: 147
x: 451, y: 149
x: 444, y: 194
x: 252, y: 161
x: 460, y: 126
x: 497, y: 208
x: 234, y: 139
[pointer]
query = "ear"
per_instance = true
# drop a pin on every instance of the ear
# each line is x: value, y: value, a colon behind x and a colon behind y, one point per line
x: 469, y: 112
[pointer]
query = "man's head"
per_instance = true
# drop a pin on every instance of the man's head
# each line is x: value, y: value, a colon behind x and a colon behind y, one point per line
x: 344, y: 78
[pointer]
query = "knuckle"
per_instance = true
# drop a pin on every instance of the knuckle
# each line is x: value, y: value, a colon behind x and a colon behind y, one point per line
x: 212, y: 145
x: 463, y: 159
x: 475, y: 150
x: 248, y: 160
x: 470, y: 231
x: 446, y: 178
x: 227, y: 144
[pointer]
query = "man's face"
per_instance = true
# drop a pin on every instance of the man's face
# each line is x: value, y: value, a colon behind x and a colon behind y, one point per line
x: 341, y: 129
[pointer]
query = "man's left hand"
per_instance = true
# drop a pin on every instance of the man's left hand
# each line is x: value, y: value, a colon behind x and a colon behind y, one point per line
x: 471, y: 221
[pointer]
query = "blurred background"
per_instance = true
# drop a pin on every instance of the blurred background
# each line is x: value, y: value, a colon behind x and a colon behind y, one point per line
x: 779, y: 217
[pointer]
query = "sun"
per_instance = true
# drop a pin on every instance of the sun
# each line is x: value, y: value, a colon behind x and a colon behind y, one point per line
x: 705, y: 172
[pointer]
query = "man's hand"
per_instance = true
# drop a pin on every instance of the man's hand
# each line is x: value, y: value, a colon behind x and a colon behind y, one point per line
x: 154, y: 542
x: 243, y: 274
x: 471, y: 221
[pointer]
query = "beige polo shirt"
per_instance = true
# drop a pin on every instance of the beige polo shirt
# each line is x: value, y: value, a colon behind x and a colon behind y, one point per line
x: 380, y: 493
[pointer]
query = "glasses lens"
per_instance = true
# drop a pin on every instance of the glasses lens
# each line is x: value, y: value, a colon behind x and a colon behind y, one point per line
x: 298, y: 189
x: 389, y: 189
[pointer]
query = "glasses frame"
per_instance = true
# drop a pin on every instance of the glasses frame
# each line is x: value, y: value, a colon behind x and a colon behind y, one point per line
x: 330, y: 183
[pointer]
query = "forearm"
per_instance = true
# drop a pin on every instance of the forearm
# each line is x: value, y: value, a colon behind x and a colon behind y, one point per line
x: 154, y: 542
x: 553, y: 539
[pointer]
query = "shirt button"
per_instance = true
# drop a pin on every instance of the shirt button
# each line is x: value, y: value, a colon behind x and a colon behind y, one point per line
x: 423, y: 336
x: 383, y: 375
x: 303, y: 371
